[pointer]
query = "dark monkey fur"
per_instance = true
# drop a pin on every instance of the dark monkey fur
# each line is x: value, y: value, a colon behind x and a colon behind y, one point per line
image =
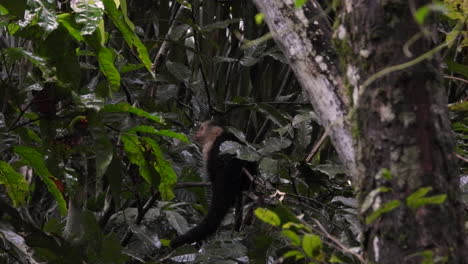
x: 227, y: 177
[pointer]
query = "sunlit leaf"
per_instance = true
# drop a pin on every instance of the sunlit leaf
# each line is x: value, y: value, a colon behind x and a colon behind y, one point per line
x: 296, y: 254
x: 106, y: 64
x: 268, y: 216
x: 299, y: 3
x: 165, y: 170
x: 15, y: 184
x: 128, y: 33
x: 68, y: 21
x: 163, y: 132
x: 126, y: 107
x: 385, y: 208
x: 418, y: 198
x: 295, y: 239
x: 259, y: 18
x: 311, y: 244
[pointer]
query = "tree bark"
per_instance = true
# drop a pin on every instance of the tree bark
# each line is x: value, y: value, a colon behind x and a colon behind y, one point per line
x: 402, y: 126
x: 399, y: 142
x: 304, y: 36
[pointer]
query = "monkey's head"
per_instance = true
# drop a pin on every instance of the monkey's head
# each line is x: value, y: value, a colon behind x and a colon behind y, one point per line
x: 208, y: 132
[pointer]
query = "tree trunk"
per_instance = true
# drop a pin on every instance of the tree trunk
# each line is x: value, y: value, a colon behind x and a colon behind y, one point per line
x: 401, y: 141
x: 402, y: 127
x: 304, y: 36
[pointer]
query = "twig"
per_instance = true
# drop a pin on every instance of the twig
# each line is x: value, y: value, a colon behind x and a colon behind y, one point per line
x: 462, y: 158
x: 455, y: 78
x: 20, y: 115
x: 318, y: 144
x: 338, y: 242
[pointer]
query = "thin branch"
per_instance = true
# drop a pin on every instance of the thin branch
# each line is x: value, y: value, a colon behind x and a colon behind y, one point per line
x: 455, y: 78
x: 318, y: 144
x: 338, y: 242
x: 462, y: 158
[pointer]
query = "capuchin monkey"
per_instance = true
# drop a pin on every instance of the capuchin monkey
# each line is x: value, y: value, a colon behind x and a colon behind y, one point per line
x: 228, y: 180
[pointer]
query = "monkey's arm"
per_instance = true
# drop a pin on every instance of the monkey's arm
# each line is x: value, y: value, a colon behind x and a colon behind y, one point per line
x: 226, y: 187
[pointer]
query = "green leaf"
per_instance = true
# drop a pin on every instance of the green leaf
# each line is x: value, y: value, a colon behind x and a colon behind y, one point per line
x: 136, y: 154
x: 457, y: 67
x: 369, y: 200
x: 54, y: 226
x: 294, y: 254
x: 295, y: 239
x: 421, y: 14
x: 126, y: 107
x: 103, y: 147
x: 106, y: 64
x: 268, y: 216
x: 12, y: 55
x: 165, y: 170
x: 89, y: 14
x: 15, y: 8
x: 163, y: 132
x: 118, y: 18
x: 36, y: 160
x: 418, y: 199
x: 259, y: 18
x: 68, y: 22
x: 459, y: 107
x: 335, y: 259
x: 311, y: 244
x: 16, y: 186
x: 60, y: 49
x: 299, y: 3
x: 387, y: 207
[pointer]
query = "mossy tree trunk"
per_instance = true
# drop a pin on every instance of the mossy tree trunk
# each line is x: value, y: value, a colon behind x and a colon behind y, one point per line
x: 403, y: 136
x: 402, y: 152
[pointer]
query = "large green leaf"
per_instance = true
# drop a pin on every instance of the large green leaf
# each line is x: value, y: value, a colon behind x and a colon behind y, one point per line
x: 163, y: 132
x: 67, y: 21
x: 268, y: 216
x: 165, y: 170
x: 311, y: 244
x: 136, y: 153
x: 16, y: 186
x: 36, y: 160
x: 118, y: 18
x: 106, y: 64
x: 126, y: 107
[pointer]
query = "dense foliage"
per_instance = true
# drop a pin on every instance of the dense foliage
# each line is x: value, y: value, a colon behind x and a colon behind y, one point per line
x: 98, y: 101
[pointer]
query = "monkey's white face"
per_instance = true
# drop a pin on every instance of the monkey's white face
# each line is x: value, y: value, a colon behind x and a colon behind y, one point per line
x: 207, y: 133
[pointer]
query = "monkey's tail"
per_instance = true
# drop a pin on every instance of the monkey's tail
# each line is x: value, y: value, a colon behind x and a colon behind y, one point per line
x: 220, y: 206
